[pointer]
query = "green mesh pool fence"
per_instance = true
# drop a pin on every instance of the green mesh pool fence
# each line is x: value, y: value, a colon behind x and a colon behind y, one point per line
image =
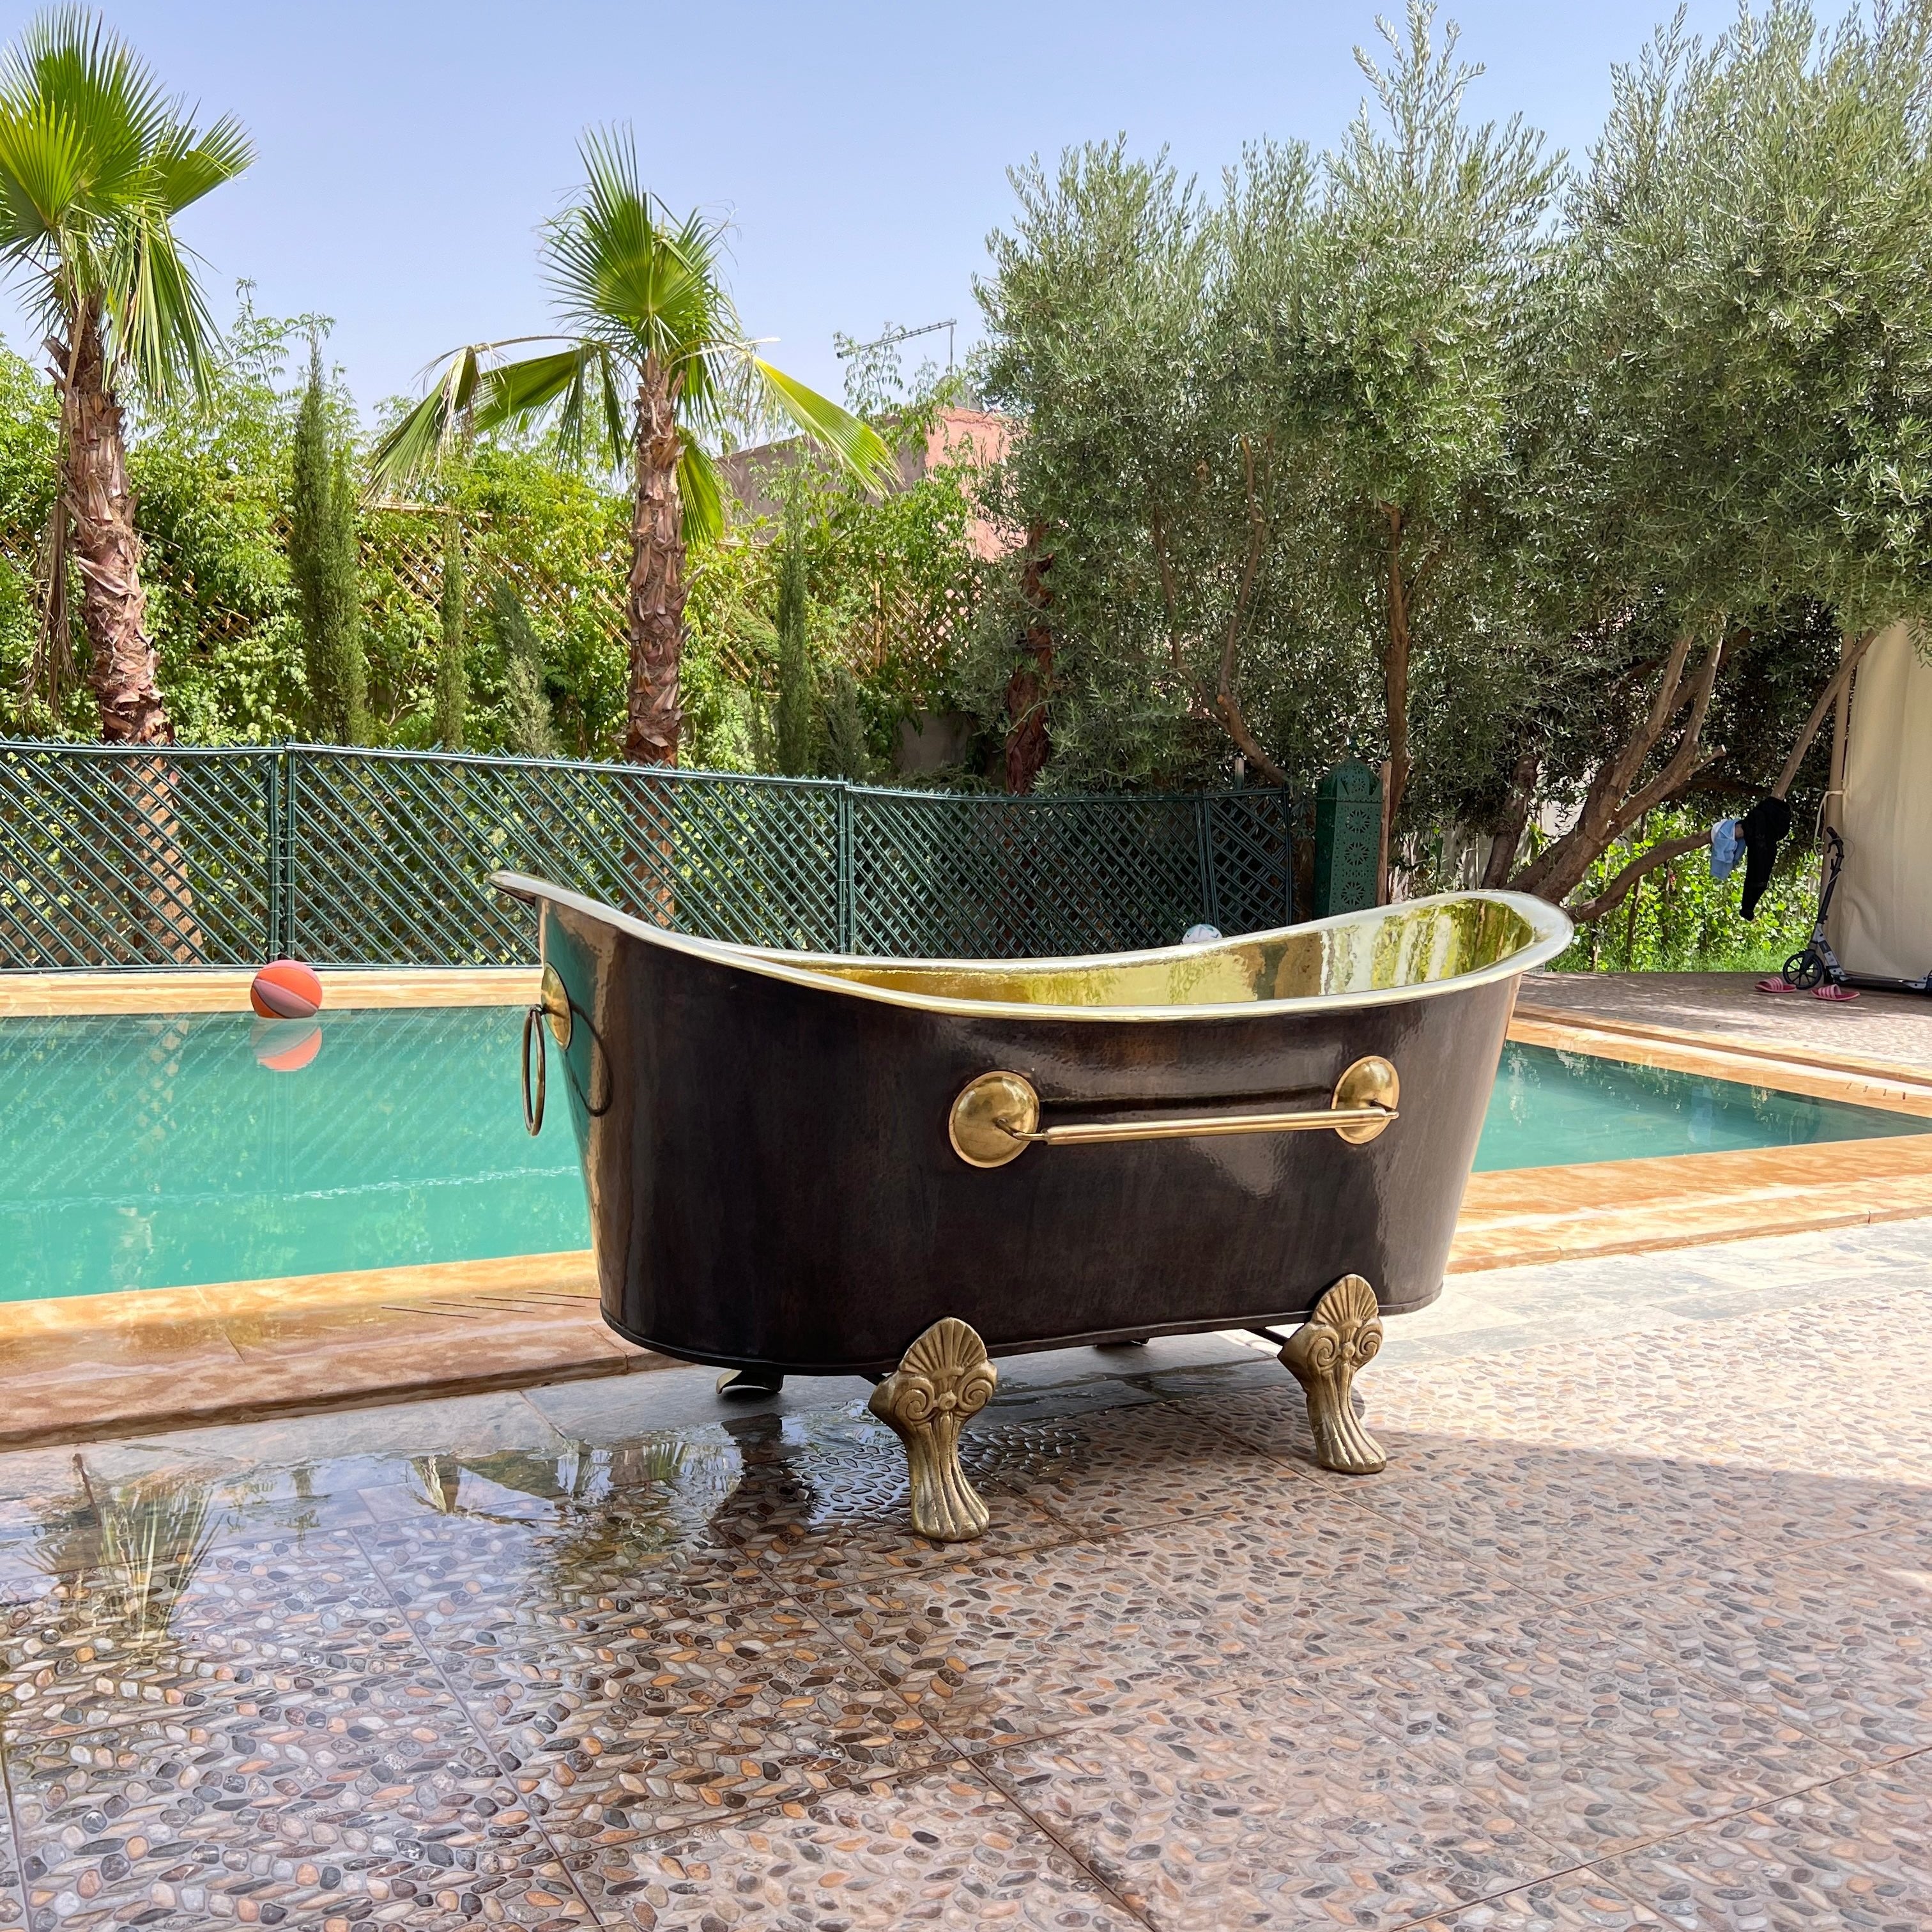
x: 118, y: 857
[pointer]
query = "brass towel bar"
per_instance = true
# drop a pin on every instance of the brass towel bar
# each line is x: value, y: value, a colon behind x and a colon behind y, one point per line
x: 996, y: 1117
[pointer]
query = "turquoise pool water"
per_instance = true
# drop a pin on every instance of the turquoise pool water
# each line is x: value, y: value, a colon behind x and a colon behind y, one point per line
x: 154, y: 1152
x: 1552, y: 1109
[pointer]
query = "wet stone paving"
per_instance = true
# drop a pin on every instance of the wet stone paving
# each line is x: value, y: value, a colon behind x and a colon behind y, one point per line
x: 1633, y: 1632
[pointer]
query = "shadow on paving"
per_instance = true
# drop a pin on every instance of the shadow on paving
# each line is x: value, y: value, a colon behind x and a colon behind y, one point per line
x: 705, y: 1676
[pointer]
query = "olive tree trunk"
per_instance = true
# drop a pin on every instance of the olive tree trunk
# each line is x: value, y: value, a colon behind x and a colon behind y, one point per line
x: 654, y: 604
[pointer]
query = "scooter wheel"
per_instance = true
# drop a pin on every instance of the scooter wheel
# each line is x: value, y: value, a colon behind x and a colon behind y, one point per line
x: 1805, y: 971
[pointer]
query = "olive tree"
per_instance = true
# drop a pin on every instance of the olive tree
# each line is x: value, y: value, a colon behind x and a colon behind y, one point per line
x: 1732, y: 484
x: 1268, y: 443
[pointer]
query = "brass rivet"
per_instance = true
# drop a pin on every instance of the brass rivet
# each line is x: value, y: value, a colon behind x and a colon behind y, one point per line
x: 1370, y: 1082
x: 555, y: 1002
x: 990, y: 1117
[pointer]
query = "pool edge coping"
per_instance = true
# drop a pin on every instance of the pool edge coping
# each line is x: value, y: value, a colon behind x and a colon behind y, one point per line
x: 223, y: 989
x: 1785, y: 1068
x: 361, y: 1338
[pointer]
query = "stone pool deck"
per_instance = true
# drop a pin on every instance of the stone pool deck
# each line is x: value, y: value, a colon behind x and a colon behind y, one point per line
x: 1892, y: 1028
x: 1633, y: 1632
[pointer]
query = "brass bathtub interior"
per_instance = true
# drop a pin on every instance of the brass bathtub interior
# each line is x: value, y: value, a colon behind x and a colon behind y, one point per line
x: 1394, y: 947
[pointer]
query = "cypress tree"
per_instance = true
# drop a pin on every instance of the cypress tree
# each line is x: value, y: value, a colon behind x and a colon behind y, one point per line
x: 796, y: 725
x: 528, y: 725
x: 452, y: 672
x: 847, y: 754
x: 322, y: 563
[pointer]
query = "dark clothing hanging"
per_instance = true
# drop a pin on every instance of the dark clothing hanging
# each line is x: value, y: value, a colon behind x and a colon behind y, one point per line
x: 1763, y: 826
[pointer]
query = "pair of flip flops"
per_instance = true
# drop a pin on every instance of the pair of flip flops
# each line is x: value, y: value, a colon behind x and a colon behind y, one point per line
x: 1830, y: 990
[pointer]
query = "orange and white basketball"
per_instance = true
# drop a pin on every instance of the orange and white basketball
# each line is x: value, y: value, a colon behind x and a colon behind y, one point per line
x: 287, y: 990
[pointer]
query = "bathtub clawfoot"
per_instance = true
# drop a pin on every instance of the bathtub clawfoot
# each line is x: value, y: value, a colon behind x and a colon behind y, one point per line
x: 1342, y: 1332
x: 943, y: 1377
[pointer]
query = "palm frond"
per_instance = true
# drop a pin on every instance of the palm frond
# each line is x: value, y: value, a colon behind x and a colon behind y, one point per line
x: 477, y: 392
x: 625, y: 271
x: 189, y: 164
x: 577, y: 382
x: 68, y: 58
x: 611, y: 402
x: 161, y: 326
x: 701, y: 491
x: 859, y: 448
x: 42, y: 169
x: 95, y: 162
x: 416, y: 445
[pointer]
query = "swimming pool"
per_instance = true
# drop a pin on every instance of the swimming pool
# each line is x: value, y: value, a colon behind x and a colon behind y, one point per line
x: 158, y: 1151
x: 1556, y: 1109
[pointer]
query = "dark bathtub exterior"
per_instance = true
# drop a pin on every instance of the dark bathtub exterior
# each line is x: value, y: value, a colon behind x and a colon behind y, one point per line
x: 772, y: 1185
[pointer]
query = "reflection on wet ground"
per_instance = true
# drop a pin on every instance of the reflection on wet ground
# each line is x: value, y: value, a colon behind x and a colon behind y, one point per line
x: 1611, y: 1642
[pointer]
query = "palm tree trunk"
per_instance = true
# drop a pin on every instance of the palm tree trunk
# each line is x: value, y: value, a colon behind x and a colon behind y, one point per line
x: 654, y: 606
x: 113, y: 606
x: 121, y: 667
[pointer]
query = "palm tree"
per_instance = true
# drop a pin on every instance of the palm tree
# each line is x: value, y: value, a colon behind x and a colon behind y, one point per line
x: 94, y: 165
x: 644, y: 308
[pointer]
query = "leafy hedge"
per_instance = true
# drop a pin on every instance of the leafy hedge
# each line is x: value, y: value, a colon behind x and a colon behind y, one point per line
x: 888, y: 581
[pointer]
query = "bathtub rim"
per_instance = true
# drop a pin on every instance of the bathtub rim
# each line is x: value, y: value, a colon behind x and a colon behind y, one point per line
x: 1550, y: 925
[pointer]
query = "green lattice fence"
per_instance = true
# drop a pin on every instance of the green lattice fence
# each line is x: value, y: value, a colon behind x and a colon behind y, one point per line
x: 114, y: 857
x: 379, y: 858
x: 388, y: 851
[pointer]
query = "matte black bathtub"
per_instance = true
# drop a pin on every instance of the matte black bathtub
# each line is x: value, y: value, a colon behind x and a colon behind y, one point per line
x: 797, y: 1164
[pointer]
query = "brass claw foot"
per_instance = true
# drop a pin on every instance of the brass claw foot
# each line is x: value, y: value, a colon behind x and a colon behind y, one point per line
x: 1342, y: 1333
x: 943, y: 1377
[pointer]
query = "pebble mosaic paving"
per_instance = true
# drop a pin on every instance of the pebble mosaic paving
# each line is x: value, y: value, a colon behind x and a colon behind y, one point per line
x: 1634, y: 1634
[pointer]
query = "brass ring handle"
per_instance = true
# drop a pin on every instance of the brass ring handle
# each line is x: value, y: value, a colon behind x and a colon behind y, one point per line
x: 533, y: 1108
x: 996, y: 1117
x: 552, y: 1010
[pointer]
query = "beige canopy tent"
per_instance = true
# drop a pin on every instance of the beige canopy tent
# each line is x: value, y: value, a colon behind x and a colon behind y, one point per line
x: 1881, y: 922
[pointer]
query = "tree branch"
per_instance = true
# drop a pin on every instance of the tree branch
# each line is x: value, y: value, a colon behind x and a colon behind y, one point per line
x: 1395, y: 674
x: 1847, y: 664
x: 1226, y: 705
x: 1556, y: 873
x: 1257, y: 531
x: 1421, y: 574
x: 1167, y: 596
x: 1508, y: 834
x: 1683, y: 761
x: 1619, y: 889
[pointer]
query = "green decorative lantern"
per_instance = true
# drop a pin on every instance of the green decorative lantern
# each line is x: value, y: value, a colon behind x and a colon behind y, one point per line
x: 1347, y: 838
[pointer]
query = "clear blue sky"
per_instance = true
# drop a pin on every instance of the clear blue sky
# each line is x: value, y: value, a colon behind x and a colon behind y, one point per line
x: 409, y: 150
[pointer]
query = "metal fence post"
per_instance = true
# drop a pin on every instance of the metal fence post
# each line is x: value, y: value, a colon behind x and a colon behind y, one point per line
x: 848, y: 912
x: 1210, y: 901
x: 272, y: 852
x: 286, y: 854
x: 1285, y: 805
